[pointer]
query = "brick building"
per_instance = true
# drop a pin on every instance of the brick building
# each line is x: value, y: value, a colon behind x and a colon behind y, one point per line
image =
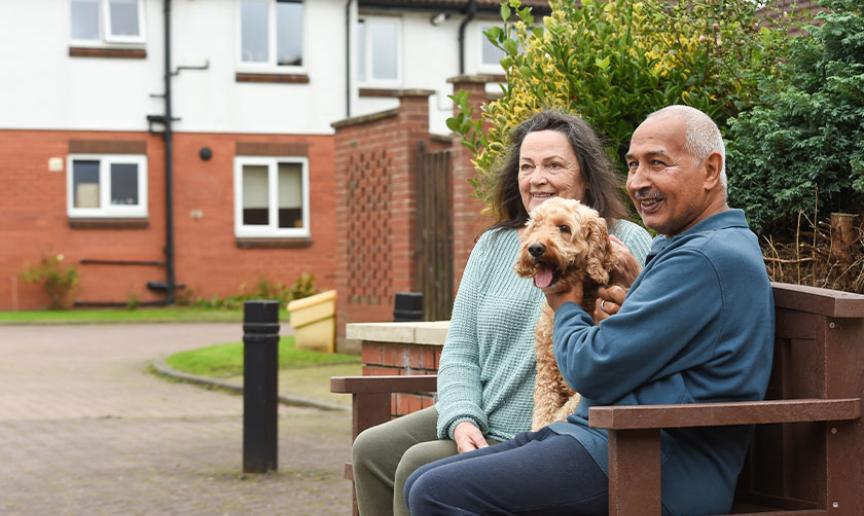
x: 94, y: 139
x: 260, y: 181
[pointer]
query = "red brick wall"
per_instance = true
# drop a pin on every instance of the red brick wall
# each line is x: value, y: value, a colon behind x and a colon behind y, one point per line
x: 805, y: 7
x: 375, y: 212
x: 376, y: 203
x: 33, y: 220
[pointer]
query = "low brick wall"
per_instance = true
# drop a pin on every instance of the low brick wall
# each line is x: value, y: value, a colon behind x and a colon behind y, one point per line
x: 401, y: 349
x: 396, y: 358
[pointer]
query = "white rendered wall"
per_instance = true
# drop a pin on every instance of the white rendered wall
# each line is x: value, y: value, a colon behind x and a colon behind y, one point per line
x: 41, y: 87
x: 430, y: 56
x: 212, y: 98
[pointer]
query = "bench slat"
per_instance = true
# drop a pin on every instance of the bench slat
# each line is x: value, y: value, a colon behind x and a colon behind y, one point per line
x: 384, y: 383
x: 814, y: 300
x: 723, y: 414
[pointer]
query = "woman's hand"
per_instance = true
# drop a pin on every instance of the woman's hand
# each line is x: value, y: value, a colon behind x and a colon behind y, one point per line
x: 628, y: 267
x: 609, y: 300
x: 468, y: 437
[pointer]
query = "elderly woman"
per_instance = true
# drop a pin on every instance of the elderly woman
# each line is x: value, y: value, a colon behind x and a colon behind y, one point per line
x: 487, y: 370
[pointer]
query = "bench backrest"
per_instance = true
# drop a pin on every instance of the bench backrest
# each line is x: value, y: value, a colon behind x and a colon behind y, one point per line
x: 819, y: 353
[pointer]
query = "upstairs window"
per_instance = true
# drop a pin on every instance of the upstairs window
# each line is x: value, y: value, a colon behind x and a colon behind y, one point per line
x: 100, y: 22
x: 112, y: 186
x: 378, y: 51
x: 491, y: 55
x: 271, y: 33
x: 271, y: 197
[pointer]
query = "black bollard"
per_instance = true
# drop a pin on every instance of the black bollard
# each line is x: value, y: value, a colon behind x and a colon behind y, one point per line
x: 408, y: 306
x: 260, y: 385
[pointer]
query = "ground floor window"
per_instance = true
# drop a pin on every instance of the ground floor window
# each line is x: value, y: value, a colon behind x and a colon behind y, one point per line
x: 107, y: 186
x: 271, y: 197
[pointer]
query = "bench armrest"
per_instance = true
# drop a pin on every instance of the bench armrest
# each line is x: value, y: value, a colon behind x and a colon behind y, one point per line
x: 371, y: 395
x: 722, y: 414
x: 383, y: 384
x: 634, y: 437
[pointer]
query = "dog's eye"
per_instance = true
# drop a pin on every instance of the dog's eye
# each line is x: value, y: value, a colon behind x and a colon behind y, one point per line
x: 564, y: 228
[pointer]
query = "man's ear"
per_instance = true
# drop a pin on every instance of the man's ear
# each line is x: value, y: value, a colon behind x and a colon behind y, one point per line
x: 713, y: 165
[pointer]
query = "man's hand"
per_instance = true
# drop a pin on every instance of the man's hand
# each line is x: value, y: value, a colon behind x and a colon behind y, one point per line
x: 468, y: 437
x: 628, y: 267
x: 609, y: 300
x: 557, y: 299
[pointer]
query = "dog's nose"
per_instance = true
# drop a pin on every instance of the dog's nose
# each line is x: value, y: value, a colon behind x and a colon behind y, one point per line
x: 536, y: 250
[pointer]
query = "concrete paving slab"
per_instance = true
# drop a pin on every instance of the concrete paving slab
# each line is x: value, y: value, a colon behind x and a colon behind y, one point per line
x: 85, y: 429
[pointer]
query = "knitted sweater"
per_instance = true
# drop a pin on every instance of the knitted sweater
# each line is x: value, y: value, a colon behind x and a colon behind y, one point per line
x: 487, y: 368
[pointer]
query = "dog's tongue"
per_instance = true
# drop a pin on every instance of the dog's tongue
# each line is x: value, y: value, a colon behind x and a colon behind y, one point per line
x: 543, y: 278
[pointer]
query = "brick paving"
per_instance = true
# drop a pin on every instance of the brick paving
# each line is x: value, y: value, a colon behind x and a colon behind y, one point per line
x: 85, y: 429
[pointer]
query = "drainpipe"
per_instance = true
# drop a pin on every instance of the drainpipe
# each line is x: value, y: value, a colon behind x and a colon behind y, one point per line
x: 169, y: 165
x: 472, y: 10
x: 348, y: 58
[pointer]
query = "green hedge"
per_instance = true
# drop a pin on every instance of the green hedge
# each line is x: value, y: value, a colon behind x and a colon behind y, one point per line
x: 613, y: 62
x: 802, y: 149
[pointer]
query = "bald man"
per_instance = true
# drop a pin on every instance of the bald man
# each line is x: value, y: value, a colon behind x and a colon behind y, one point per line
x: 696, y: 326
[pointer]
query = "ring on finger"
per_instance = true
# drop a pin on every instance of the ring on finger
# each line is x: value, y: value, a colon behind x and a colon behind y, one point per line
x: 603, y: 305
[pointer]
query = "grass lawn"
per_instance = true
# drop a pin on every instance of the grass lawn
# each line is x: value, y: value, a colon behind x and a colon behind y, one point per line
x: 120, y: 315
x: 226, y: 360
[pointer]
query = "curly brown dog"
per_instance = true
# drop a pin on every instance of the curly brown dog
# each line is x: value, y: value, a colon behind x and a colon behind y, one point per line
x: 563, y: 243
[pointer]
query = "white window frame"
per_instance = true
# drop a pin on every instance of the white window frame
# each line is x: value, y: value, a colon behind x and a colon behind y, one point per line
x: 487, y: 67
x: 380, y: 83
x: 105, y: 36
x: 272, y: 230
x: 270, y: 65
x: 106, y: 209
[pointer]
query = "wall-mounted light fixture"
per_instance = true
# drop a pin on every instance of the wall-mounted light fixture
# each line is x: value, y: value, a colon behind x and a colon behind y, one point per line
x: 205, y: 153
x: 439, y: 18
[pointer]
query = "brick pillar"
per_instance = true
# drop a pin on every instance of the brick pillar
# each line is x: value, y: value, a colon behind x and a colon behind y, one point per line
x: 414, y: 127
x: 375, y: 207
x: 468, y: 221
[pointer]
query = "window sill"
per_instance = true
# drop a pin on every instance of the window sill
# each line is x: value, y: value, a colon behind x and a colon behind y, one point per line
x: 273, y: 243
x: 492, y: 73
x: 379, y: 92
x: 289, y: 78
x: 108, y: 223
x: 113, y: 52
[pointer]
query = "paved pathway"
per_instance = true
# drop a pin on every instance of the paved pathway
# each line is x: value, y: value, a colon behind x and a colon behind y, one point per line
x: 85, y: 429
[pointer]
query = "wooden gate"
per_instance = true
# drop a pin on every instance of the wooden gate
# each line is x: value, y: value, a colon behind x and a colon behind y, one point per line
x: 434, y: 232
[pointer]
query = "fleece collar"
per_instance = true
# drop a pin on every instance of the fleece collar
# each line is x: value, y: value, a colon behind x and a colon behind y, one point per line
x: 731, y: 218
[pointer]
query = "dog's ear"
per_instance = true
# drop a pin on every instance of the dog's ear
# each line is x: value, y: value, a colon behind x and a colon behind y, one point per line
x: 600, y: 258
x: 524, y: 266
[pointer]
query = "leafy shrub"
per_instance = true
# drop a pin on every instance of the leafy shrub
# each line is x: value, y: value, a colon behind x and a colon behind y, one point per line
x: 802, y: 148
x: 59, y: 282
x: 133, y: 302
x: 303, y: 286
x: 613, y: 62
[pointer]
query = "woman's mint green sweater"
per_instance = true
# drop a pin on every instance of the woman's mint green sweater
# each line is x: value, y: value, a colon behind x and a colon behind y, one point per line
x: 487, y: 368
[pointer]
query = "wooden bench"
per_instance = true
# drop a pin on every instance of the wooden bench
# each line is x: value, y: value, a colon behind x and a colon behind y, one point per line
x: 807, y: 454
